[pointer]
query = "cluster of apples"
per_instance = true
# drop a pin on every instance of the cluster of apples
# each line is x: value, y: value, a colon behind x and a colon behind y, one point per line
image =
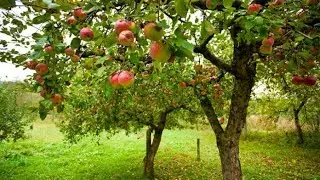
x: 121, y: 79
x: 78, y: 15
x: 41, y: 70
x: 72, y: 54
x: 159, y: 51
x: 306, y: 80
x: 267, y: 44
x: 124, y: 30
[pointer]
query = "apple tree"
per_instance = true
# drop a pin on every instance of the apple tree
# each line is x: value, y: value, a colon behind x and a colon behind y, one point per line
x: 156, y: 98
x: 137, y: 33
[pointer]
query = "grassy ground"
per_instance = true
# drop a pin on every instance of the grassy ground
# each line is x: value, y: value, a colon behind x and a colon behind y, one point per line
x: 46, y: 156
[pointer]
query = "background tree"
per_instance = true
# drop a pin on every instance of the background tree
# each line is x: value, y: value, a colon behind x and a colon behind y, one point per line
x: 13, y: 121
x: 158, y: 99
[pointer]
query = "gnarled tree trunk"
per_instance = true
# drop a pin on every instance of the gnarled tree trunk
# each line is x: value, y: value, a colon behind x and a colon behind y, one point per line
x: 244, y: 71
x: 152, y: 146
x: 297, y: 121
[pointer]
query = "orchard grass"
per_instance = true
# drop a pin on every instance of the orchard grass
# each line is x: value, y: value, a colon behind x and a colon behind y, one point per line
x: 45, y: 155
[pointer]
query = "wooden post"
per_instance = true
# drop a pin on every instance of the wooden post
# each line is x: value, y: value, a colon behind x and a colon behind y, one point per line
x: 198, y: 149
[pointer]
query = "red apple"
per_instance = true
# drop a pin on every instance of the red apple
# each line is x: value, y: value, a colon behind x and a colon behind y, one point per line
x: 121, y: 25
x: 79, y: 14
x: 48, y: 49
x: 75, y: 58
x: 268, y: 41
x: 183, y: 84
x: 31, y: 64
x: 126, y: 38
x: 42, y: 69
x: 86, y: 34
x: 39, y: 79
x: 310, y: 80
x: 56, y: 99
x: 160, y: 52
x: 221, y: 120
x: 254, y: 8
x: 153, y: 32
x: 113, y: 80
x: 71, y: 20
x: 296, y: 79
x: 69, y: 51
x: 126, y: 78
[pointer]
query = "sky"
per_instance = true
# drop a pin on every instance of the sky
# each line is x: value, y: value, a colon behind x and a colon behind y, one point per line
x: 8, y: 71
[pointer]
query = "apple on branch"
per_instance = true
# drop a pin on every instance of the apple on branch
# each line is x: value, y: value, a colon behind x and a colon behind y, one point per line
x: 160, y: 51
x: 42, y: 69
x: 86, y: 34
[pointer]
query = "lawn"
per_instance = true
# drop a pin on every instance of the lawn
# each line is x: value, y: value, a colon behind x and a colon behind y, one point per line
x: 45, y: 155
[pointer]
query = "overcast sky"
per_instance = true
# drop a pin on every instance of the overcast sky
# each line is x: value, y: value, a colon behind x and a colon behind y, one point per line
x: 8, y: 71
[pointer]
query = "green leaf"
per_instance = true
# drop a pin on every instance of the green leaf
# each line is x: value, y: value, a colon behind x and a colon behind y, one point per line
x: 181, y: 7
x: 40, y: 19
x: 101, y: 70
x: 299, y: 38
x: 111, y: 39
x: 44, y: 107
x: 212, y: 4
x: 7, y: 4
x: 185, y: 49
x: 75, y: 43
x: 227, y: 3
x: 258, y: 20
x: 207, y: 29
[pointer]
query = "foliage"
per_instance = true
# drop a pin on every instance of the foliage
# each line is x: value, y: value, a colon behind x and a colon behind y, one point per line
x: 94, y: 106
x: 12, y: 120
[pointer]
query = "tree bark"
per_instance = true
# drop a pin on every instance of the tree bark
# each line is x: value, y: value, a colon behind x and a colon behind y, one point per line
x: 297, y: 121
x: 153, y: 146
x: 244, y: 71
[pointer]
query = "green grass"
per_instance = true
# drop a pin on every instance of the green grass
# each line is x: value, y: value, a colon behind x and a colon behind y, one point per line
x: 44, y: 155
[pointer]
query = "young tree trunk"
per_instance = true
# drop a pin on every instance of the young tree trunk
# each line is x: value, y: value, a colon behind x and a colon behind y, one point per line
x: 297, y: 121
x: 299, y: 129
x: 244, y: 70
x: 151, y: 153
x: 153, y: 146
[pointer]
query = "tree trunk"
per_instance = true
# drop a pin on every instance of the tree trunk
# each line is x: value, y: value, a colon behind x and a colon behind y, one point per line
x: 228, y: 139
x: 152, y: 147
x: 151, y: 153
x: 297, y: 120
x: 299, y: 129
x: 229, y: 157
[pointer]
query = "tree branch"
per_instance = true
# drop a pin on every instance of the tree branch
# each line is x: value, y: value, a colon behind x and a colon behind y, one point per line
x: 202, y: 49
x: 211, y: 115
